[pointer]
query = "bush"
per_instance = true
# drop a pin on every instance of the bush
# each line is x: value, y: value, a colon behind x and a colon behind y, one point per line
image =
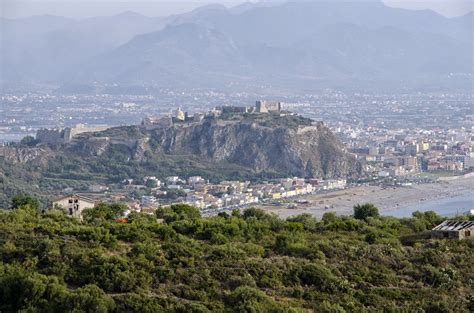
x: 178, y: 212
x: 248, y: 299
x: 25, y: 200
x: 364, y: 211
x: 249, y: 262
x: 104, y: 211
x: 90, y: 298
x: 29, y: 141
x: 318, y: 276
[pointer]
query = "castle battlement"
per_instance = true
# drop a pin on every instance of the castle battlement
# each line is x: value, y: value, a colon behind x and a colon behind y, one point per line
x: 65, y: 135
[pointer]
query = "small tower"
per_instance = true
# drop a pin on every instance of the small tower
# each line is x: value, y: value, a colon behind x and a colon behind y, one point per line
x: 179, y: 115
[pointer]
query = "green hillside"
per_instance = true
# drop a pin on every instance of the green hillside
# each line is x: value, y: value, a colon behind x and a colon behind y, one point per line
x: 241, y: 262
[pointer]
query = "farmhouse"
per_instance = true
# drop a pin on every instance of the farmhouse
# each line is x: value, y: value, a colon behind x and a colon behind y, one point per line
x: 454, y: 230
x: 74, y: 204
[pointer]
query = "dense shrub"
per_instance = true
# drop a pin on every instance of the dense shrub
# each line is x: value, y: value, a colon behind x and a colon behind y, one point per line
x: 246, y: 261
x: 364, y: 211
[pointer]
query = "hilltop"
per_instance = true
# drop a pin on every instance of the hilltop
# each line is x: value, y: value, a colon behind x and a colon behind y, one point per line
x: 241, y: 146
x: 268, y: 144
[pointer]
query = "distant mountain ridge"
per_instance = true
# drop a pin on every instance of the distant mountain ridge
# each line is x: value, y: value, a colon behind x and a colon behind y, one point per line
x: 297, y: 44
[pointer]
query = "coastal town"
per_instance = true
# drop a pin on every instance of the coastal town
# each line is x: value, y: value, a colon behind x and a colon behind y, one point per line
x: 260, y: 156
x: 151, y: 192
x: 401, y: 152
x: 392, y: 157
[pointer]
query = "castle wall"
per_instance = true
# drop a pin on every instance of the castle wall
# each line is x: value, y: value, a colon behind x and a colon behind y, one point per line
x: 52, y: 136
x: 268, y: 106
x: 60, y: 136
x: 151, y: 123
x: 80, y: 129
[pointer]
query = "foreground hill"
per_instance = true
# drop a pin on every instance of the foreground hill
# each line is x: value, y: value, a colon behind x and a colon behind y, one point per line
x: 244, y: 262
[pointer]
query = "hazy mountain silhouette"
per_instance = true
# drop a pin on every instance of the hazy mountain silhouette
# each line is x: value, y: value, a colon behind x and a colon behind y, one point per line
x: 295, y: 44
x: 181, y: 54
x: 43, y: 47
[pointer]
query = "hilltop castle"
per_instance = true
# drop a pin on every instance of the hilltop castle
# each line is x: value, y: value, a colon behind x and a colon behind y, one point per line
x: 179, y: 117
x: 268, y: 106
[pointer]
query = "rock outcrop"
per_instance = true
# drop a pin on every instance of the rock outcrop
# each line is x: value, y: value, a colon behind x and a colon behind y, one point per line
x: 305, y: 152
x: 275, y: 146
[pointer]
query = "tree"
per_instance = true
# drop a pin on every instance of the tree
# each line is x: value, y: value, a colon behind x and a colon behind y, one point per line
x: 151, y: 183
x: 364, y: 211
x: 178, y: 212
x: 25, y: 200
x: 254, y: 212
x: 429, y: 217
x: 29, y: 141
x: 105, y: 211
x: 306, y: 219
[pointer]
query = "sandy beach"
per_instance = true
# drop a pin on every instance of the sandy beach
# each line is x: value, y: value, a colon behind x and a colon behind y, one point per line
x: 386, y: 199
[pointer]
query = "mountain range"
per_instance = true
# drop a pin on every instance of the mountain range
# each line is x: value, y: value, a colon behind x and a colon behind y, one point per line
x: 295, y: 45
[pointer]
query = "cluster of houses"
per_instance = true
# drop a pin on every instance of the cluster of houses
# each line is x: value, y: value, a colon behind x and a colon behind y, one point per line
x: 200, y: 193
x: 391, y: 153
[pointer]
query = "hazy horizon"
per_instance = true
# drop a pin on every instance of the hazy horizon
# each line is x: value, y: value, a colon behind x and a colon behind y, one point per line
x: 84, y: 9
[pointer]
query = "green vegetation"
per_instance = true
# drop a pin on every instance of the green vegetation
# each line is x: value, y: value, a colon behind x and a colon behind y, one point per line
x: 238, y: 262
x: 115, y: 165
x: 364, y: 211
x: 438, y: 174
x: 269, y: 119
x: 276, y: 120
x: 29, y: 141
x: 25, y: 200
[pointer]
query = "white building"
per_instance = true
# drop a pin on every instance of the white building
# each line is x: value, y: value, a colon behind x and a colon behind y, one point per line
x: 148, y: 202
x: 172, y: 179
x: 151, y: 123
x: 334, y: 184
x: 74, y: 205
x: 195, y: 180
x: 152, y: 178
x: 179, y: 115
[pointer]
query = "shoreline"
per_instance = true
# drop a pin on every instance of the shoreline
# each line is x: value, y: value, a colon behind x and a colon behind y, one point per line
x: 387, y: 199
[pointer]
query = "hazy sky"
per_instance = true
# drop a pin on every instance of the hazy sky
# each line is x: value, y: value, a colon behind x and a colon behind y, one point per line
x: 87, y: 8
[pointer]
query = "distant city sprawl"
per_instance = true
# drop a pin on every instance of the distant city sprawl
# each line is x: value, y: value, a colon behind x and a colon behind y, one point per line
x: 23, y: 114
x: 395, y: 147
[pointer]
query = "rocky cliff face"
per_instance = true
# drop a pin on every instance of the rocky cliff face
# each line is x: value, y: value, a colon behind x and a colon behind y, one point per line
x: 16, y: 155
x: 277, y: 147
x: 310, y: 151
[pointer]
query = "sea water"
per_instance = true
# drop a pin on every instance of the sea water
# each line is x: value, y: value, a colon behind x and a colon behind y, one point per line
x: 448, y: 206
